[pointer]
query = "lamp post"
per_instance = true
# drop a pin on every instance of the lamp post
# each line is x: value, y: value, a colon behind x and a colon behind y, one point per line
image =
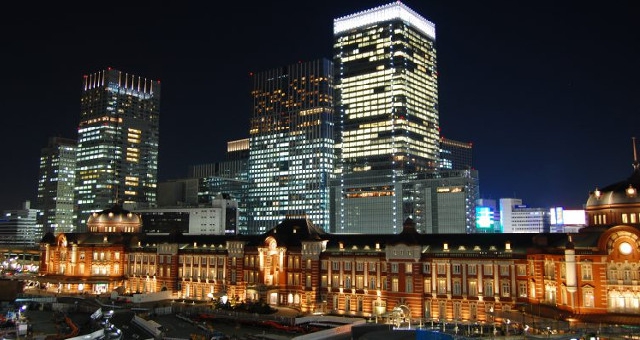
x: 20, y: 310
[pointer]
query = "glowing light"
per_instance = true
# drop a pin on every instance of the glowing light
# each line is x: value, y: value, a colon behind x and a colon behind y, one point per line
x: 391, y: 11
x: 631, y: 191
x: 625, y: 248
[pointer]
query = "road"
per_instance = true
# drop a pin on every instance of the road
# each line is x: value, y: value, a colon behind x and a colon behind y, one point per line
x: 178, y: 328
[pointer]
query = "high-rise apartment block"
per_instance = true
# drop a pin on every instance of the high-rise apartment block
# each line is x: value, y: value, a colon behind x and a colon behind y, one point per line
x: 56, y: 183
x: 291, y: 154
x: 118, y: 135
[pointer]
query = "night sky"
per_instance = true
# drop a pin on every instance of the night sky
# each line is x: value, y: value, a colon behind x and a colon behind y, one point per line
x: 547, y: 91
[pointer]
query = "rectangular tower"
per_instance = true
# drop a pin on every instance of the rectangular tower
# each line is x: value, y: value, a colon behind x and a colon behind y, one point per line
x: 19, y: 227
x: 118, y: 134
x: 56, y: 183
x: 387, y: 90
x: 387, y: 108
x: 291, y: 153
x: 516, y: 217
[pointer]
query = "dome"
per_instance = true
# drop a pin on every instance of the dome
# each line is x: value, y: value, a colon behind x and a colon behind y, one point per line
x: 114, y: 219
x: 616, y: 204
x: 618, y: 194
x: 623, y: 192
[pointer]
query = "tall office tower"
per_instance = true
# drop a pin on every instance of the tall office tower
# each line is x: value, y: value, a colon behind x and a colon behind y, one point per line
x: 228, y: 177
x: 387, y: 90
x: 234, y: 165
x: 56, y: 183
x: 387, y: 107
x: 117, y: 160
x: 236, y: 162
x: 291, y: 153
x: 455, y: 155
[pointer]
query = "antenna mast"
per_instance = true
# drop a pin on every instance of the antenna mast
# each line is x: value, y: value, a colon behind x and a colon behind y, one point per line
x: 635, y: 154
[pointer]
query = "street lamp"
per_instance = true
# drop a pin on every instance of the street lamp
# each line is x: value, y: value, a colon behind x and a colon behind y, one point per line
x: 19, y: 322
x: 20, y: 310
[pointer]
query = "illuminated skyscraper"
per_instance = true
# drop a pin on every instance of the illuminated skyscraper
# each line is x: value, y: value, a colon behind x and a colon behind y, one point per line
x: 118, y: 133
x: 387, y: 90
x: 291, y: 153
x: 387, y: 107
x: 56, y: 183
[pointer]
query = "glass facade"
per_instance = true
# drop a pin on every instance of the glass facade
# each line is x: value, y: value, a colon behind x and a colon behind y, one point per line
x: 439, y: 202
x: 387, y: 108
x: 118, y: 134
x: 56, y: 183
x: 291, y: 155
x: 366, y: 203
x: 19, y: 227
x: 212, y: 187
x: 387, y: 90
x: 455, y: 155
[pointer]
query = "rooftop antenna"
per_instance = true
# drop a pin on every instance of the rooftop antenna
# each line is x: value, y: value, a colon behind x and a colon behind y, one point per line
x: 635, y: 154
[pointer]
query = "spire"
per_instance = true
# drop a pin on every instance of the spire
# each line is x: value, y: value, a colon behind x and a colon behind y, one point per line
x: 635, y: 155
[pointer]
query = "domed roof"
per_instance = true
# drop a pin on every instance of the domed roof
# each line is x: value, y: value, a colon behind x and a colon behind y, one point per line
x: 623, y: 192
x: 115, y: 214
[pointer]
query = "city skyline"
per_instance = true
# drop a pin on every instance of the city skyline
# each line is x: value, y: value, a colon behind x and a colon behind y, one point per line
x: 542, y: 90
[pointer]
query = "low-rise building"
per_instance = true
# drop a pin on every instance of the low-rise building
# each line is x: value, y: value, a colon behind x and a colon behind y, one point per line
x: 452, y: 277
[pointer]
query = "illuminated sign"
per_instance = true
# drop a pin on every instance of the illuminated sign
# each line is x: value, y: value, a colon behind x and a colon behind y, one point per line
x: 484, y: 218
x: 449, y: 189
x: 559, y: 216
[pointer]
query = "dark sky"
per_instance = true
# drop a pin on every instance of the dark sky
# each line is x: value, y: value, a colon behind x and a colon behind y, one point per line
x: 547, y: 91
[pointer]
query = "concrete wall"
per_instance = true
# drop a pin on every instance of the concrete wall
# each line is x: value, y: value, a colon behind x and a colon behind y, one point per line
x: 148, y: 325
x: 147, y: 297
x: 337, y: 332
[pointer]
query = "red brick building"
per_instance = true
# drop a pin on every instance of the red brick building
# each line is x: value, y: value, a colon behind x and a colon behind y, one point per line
x: 454, y: 277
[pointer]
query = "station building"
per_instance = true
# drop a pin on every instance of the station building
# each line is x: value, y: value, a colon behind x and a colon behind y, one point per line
x: 453, y: 277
